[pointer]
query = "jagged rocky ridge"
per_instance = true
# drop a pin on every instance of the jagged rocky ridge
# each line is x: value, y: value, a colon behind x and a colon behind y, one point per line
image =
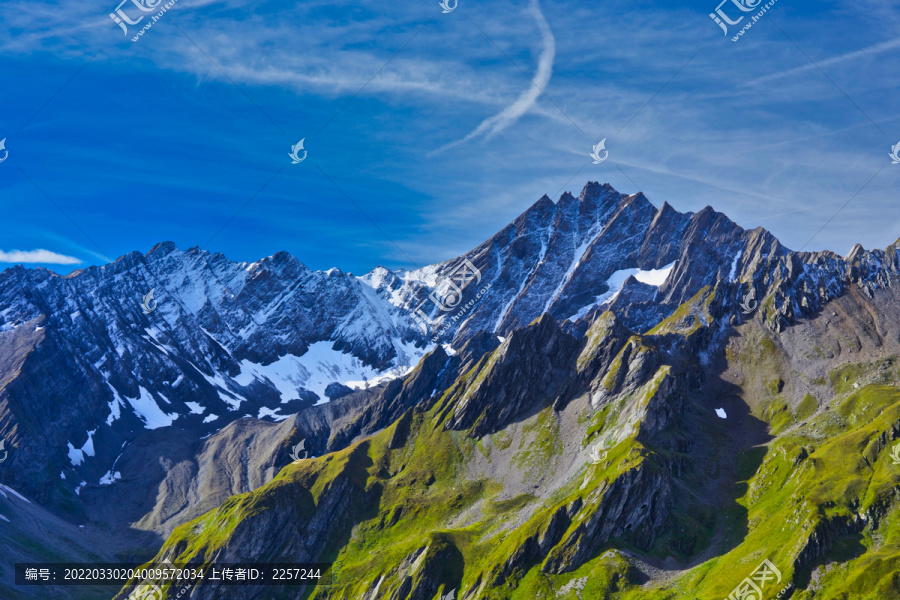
x: 203, y: 353
x: 609, y: 456
x: 561, y: 260
x: 589, y: 455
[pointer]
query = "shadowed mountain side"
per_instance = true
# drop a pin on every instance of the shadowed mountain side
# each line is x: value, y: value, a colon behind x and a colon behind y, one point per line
x: 180, y: 479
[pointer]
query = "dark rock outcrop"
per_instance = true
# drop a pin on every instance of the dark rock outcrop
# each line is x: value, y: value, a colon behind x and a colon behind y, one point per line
x: 525, y: 373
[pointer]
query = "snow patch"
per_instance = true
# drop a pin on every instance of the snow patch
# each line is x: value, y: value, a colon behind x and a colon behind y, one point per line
x: 80, y: 487
x: 320, y: 366
x: 149, y: 412
x: 287, y: 375
x: 6, y: 488
x: 733, y: 272
x: 221, y: 386
x: 110, y: 477
x: 196, y: 408
x: 115, y: 406
x: 88, y: 447
x: 5, y: 519
x: 210, y: 418
x: 720, y: 412
x: 76, y: 456
x: 654, y: 277
x: 271, y: 413
x: 152, y: 332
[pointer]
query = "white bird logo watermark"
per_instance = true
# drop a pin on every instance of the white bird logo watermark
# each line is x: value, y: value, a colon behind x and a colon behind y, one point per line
x: 596, y: 153
x: 296, y: 159
x: 895, y: 154
x: 749, y: 304
x: 148, y: 303
x: 445, y: 4
x: 6, y: 152
x: 295, y: 451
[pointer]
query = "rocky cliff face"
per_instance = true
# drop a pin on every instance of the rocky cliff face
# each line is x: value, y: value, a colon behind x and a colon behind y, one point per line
x: 86, y: 369
x: 489, y: 445
x: 566, y: 412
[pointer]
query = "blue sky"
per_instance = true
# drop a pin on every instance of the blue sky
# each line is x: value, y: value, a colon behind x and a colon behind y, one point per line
x: 425, y: 131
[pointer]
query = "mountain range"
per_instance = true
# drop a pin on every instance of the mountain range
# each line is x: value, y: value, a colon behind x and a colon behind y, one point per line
x: 605, y: 399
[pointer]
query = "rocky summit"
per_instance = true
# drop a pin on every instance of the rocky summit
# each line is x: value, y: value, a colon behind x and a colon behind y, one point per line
x: 606, y: 399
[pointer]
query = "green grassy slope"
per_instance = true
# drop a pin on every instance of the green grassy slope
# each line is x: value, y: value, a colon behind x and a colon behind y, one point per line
x: 679, y: 504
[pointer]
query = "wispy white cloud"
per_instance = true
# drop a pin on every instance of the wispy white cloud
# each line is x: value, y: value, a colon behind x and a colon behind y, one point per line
x: 760, y: 153
x: 37, y: 256
x: 842, y: 58
x: 512, y: 113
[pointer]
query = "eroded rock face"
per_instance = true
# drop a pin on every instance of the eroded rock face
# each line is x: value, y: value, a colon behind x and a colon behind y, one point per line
x: 424, y: 570
x: 635, y: 507
x: 534, y: 549
x: 337, y: 390
x: 84, y: 370
x: 193, y: 477
x: 525, y: 373
x: 645, y: 381
x: 288, y: 529
x: 85, y: 357
x: 99, y: 363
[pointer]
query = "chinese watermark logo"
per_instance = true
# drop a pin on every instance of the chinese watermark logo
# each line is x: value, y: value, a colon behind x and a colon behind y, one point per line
x: 148, y: 303
x: 596, y: 153
x: 752, y: 587
x: 146, y: 591
x: 597, y: 457
x: 448, y: 292
x: 895, y: 153
x: 445, y: 4
x: 6, y: 152
x: 296, y: 159
x: 749, y: 303
x: 895, y: 455
x: 295, y: 451
x: 721, y: 18
x: 149, y: 588
x: 121, y: 18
